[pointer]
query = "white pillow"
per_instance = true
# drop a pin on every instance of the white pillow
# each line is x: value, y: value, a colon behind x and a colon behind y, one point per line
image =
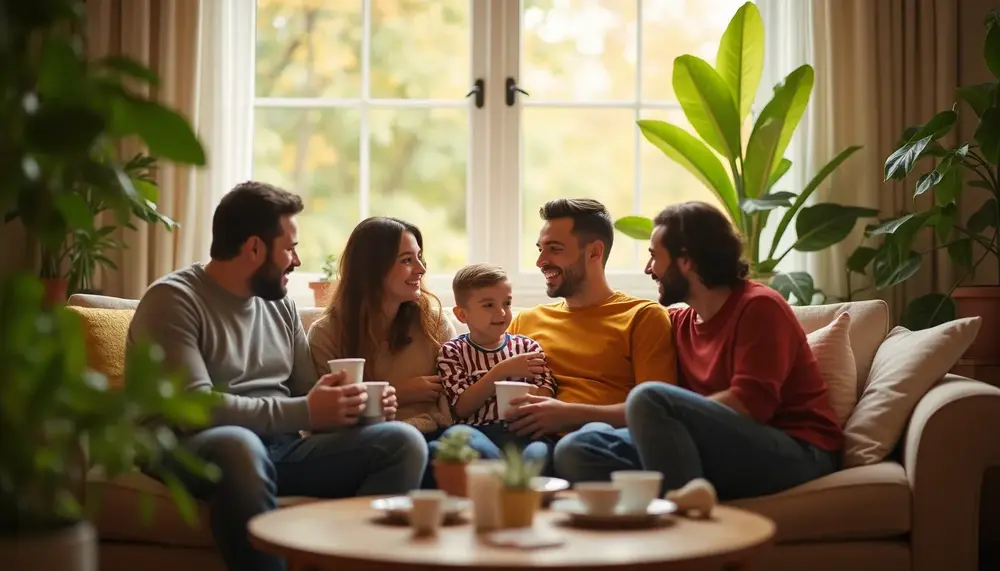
x: 906, y: 366
x: 832, y: 347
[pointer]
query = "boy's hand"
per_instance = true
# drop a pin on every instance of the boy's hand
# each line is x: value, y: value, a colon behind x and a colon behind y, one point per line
x: 525, y: 366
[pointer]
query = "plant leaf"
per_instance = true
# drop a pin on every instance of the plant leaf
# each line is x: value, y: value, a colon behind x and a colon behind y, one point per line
x: 860, y: 258
x: 901, y: 161
x: 740, y: 59
x: 707, y: 104
x: 823, y: 225
x: 74, y: 210
x: 786, y: 108
x: 988, y: 133
x: 978, y: 97
x: 165, y: 132
x: 131, y: 68
x: 778, y: 172
x: 949, y: 188
x: 810, y: 188
x: 981, y: 184
x: 926, y: 182
x: 892, y: 225
x: 985, y: 217
x: 799, y: 284
x: 638, y: 227
x: 760, y: 155
x: 767, y: 202
x: 696, y: 157
x: 928, y: 311
x: 960, y: 252
x: 890, y: 266
x: 945, y: 223
x: 991, y: 50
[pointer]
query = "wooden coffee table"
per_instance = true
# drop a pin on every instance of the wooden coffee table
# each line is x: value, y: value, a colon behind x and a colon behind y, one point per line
x: 348, y: 535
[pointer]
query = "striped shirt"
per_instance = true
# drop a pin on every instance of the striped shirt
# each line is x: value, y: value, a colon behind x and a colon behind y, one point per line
x: 461, y: 363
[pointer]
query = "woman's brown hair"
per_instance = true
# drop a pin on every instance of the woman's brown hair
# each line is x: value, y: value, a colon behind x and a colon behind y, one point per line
x: 369, y: 255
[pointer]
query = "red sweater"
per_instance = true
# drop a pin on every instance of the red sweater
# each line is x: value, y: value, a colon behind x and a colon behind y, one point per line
x: 755, y: 348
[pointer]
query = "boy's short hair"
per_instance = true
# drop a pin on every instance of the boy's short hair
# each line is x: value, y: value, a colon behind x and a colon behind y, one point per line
x: 473, y: 277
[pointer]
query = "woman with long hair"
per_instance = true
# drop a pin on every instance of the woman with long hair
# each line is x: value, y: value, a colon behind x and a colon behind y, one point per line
x: 381, y: 312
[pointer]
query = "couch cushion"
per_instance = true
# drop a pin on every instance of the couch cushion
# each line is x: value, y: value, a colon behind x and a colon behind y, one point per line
x: 869, y: 325
x: 868, y: 502
x: 831, y: 346
x: 105, y: 331
x: 121, y: 511
x: 101, y: 301
x: 907, y: 365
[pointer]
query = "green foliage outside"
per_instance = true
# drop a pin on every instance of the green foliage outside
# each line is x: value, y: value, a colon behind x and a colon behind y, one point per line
x: 892, y: 259
x: 745, y: 177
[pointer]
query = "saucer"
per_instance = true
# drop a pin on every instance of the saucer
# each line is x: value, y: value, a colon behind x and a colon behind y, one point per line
x: 547, y: 485
x: 578, y: 512
x: 398, y: 507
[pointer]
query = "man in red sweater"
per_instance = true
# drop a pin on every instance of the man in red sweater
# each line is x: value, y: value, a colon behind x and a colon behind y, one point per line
x: 751, y: 412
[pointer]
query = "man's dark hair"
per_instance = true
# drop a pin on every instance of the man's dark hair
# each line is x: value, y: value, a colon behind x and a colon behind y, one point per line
x: 704, y: 234
x: 591, y: 220
x: 250, y: 209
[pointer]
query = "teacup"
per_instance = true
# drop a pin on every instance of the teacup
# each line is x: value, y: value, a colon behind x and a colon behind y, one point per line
x: 638, y: 488
x: 354, y: 368
x: 508, y: 391
x: 373, y: 406
x: 426, y: 510
x: 599, y: 498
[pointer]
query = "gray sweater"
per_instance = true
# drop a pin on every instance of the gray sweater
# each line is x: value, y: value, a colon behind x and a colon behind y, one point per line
x: 254, y: 352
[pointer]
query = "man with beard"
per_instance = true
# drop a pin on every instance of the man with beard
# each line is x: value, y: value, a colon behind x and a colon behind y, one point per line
x: 751, y: 412
x: 598, y: 343
x: 229, y: 327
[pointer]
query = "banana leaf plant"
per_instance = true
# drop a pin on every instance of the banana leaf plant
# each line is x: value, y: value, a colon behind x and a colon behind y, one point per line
x: 975, y: 164
x: 716, y: 101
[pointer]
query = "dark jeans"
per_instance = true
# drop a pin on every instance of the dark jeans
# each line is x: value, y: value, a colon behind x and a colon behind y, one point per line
x: 384, y: 458
x: 685, y: 436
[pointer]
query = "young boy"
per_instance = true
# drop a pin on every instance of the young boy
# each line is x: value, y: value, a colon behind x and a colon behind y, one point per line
x: 470, y: 364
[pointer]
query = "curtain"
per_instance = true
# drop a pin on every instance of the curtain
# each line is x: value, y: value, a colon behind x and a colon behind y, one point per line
x: 887, y: 65
x: 199, y: 49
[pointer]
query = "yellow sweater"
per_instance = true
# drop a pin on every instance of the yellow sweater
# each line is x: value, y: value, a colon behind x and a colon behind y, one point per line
x: 598, y: 353
x: 419, y: 358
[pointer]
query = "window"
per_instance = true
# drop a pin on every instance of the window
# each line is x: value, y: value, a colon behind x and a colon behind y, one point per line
x: 362, y: 108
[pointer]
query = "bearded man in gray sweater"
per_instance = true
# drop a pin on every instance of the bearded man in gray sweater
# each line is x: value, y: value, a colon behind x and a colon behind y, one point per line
x: 229, y: 326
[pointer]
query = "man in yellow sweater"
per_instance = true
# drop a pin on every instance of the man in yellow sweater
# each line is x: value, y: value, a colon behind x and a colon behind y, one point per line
x: 599, y: 343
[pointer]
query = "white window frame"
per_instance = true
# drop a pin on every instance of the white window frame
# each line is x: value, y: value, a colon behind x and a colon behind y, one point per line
x: 495, y: 165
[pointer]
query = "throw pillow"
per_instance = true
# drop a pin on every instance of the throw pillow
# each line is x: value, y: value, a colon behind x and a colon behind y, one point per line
x: 906, y: 366
x: 832, y: 347
x: 104, y: 333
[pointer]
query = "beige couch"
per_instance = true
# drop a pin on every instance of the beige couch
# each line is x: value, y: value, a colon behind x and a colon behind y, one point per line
x: 917, y: 511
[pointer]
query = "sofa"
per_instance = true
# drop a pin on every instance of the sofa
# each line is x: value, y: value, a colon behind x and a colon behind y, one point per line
x: 914, y: 506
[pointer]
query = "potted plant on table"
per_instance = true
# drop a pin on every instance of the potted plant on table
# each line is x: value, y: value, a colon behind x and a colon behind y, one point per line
x: 975, y: 164
x: 716, y: 101
x: 324, y: 288
x: 452, y: 455
x: 519, y: 498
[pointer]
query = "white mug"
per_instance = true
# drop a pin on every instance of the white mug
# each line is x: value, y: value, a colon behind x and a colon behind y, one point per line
x: 426, y: 510
x: 508, y: 391
x: 373, y: 406
x: 355, y: 369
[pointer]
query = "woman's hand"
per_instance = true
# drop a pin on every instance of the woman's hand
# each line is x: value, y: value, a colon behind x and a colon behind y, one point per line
x: 417, y: 390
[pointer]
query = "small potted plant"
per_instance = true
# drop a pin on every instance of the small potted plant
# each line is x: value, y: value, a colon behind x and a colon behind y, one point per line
x: 519, y: 498
x: 450, y: 458
x: 324, y: 288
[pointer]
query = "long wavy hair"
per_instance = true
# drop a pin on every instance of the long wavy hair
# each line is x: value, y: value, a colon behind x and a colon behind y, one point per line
x: 369, y: 255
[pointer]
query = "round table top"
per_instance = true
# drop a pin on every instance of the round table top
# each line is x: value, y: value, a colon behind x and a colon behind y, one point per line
x: 335, y: 533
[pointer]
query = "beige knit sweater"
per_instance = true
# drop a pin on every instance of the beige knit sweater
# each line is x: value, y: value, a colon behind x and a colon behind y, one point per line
x: 419, y: 358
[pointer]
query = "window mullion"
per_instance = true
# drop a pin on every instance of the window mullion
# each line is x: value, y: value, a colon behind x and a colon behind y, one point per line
x: 477, y: 195
x: 506, y: 199
x: 364, y: 139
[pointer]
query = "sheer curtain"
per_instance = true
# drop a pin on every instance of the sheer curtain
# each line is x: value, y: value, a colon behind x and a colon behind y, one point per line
x: 790, y: 43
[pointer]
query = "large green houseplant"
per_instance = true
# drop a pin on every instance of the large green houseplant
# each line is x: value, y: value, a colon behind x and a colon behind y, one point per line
x: 61, y: 119
x: 716, y: 102
x: 891, y: 258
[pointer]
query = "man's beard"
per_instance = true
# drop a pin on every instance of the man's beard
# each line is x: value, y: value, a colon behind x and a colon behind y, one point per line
x: 266, y: 282
x: 571, y: 282
x: 675, y: 286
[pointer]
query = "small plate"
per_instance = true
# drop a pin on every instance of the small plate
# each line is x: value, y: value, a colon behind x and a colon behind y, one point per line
x: 398, y: 507
x: 578, y: 512
x: 548, y: 485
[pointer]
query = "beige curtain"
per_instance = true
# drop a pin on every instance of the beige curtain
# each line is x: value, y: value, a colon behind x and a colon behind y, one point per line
x: 163, y: 34
x: 886, y: 65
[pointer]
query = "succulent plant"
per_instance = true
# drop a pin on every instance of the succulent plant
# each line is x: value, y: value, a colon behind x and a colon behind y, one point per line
x: 518, y: 472
x: 453, y: 448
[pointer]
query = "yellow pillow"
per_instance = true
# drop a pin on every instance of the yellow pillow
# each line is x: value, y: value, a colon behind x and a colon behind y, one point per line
x: 105, y: 331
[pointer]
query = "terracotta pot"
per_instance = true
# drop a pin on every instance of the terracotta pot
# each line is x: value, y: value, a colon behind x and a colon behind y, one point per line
x: 322, y: 292
x: 518, y: 507
x: 451, y: 478
x: 69, y: 548
x: 983, y: 301
x: 55, y: 291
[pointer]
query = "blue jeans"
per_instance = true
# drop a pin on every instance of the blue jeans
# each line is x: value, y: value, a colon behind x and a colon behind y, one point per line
x: 384, y: 458
x: 489, y: 439
x: 686, y: 436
